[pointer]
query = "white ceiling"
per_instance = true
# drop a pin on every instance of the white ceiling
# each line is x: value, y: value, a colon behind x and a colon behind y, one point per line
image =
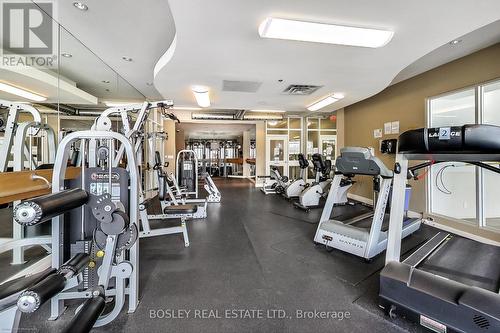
x: 218, y: 40
x: 215, y: 131
x: 142, y: 30
x: 470, y: 43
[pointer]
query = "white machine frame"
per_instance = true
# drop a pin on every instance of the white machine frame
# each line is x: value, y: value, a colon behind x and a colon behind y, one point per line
x: 343, y: 235
x: 121, y: 272
x: 15, y: 141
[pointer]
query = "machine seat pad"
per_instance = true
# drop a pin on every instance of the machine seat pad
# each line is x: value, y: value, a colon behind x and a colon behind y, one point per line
x: 181, y: 209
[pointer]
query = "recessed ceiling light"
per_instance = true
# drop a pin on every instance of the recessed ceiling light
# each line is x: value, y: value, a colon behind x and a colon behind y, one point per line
x: 80, y: 5
x: 272, y: 123
x: 186, y: 108
x: 202, y: 96
x: 66, y: 55
x: 455, y: 41
x: 21, y: 92
x: 127, y: 58
x: 323, y: 33
x: 325, y: 101
x: 105, y: 81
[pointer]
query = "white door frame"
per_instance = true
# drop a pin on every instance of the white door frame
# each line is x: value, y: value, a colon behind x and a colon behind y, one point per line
x: 281, y: 163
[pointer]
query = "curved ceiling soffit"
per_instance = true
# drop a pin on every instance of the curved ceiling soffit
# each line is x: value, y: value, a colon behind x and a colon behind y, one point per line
x: 166, y: 57
x: 405, y: 48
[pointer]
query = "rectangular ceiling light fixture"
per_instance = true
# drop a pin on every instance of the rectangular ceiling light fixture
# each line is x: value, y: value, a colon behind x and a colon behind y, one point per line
x: 202, y: 97
x: 323, y: 33
x: 268, y: 111
x: 21, y: 92
x: 261, y: 117
x: 186, y: 108
x: 325, y: 101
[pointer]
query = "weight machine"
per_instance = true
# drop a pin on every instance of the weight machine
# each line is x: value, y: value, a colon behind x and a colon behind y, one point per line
x: 16, y: 135
x: 188, y: 178
x: 17, y: 138
x: 94, y: 222
x: 137, y: 137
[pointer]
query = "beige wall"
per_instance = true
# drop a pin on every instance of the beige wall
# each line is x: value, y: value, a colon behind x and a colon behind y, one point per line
x: 170, y: 152
x: 405, y: 102
x: 260, y: 146
x: 340, y: 134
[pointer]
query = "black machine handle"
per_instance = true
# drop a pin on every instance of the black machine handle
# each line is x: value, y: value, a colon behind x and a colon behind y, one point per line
x: 85, y: 319
x: 44, y: 208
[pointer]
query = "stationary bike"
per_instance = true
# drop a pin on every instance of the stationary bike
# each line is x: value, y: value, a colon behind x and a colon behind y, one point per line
x: 274, y: 183
x: 311, y: 196
x: 296, y: 187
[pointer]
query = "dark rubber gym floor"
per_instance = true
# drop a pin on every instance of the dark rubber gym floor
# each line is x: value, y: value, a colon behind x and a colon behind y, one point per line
x: 253, y: 252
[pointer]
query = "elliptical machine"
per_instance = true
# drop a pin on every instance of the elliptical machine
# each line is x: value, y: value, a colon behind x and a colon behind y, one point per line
x: 296, y: 187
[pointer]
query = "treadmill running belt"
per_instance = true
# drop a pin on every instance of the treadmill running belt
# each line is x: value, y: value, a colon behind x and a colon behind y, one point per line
x: 347, y: 212
x: 466, y: 261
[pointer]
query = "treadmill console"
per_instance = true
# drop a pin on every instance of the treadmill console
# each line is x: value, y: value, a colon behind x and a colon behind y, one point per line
x: 471, y: 139
x: 360, y: 161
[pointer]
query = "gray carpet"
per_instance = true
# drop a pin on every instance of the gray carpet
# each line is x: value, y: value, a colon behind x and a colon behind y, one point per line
x: 236, y: 262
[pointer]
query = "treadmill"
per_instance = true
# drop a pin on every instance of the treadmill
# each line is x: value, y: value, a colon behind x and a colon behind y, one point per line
x: 363, y: 235
x: 451, y: 283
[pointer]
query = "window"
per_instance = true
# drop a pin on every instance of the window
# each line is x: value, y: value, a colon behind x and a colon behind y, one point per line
x: 455, y: 189
x: 453, y: 185
x: 491, y: 115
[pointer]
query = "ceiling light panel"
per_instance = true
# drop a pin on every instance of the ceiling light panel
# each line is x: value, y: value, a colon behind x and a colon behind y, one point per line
x: 323, y: 33
x: 202, y: 96
x: 21, y: 92
x: 325, y: 102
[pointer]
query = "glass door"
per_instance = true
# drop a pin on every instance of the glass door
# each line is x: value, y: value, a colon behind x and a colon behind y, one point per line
x: 327, y: 144
x: 277, y: 153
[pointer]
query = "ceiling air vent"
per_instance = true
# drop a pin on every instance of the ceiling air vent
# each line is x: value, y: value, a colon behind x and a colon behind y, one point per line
x: 300, y: 89
x: 241, y: 86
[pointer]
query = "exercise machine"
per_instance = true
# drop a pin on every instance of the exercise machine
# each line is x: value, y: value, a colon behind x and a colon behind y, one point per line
x: 296, y: 187
x: 449, y: 284
x: 275, y: 183
x: 188, y: 179
x: 364, y: 235
x: 94, y: 224
x: 310, y: 197
x: 17, y: 153
x: 16, y: 149
x: 182, y: 212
